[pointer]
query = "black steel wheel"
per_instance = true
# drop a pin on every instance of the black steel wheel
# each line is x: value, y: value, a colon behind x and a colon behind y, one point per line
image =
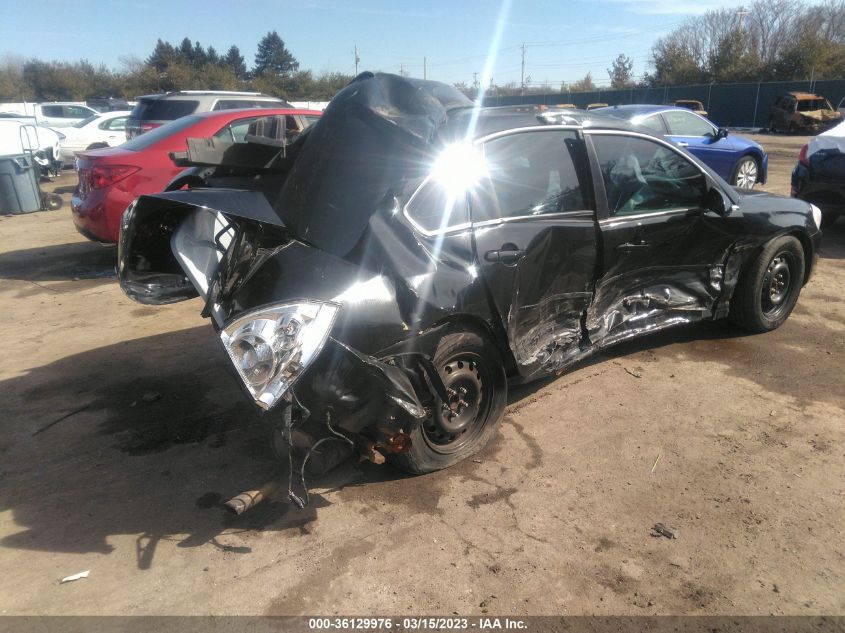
x: 769, y: 289
x: 474, y: 377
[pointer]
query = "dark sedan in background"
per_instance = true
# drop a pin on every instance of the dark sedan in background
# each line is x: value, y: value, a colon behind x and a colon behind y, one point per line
x: 380, y: 281
x: 740, y: 161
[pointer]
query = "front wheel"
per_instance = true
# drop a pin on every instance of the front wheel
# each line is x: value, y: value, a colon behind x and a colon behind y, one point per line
x: 769, y: 289
x: 474, y: 376
x: 746, y: 173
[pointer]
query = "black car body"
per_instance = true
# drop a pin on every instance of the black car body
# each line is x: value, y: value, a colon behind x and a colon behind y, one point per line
x: 410, y: 254
x: 819, y: 178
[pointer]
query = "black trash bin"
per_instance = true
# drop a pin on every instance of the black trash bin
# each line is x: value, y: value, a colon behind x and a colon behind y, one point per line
x: 19, y: 191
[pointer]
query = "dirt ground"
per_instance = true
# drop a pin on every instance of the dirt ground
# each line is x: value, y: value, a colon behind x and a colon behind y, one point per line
x: 553, y: 517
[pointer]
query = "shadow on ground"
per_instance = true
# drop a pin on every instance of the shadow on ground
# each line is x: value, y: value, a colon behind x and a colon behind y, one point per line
x: 60, y: 262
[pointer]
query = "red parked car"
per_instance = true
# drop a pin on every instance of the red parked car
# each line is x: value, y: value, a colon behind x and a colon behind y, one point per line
x: 110, y: 179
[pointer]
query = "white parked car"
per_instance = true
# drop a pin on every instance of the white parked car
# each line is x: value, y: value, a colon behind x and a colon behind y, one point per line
x: 99, y: 130
x: 18, y: 138
x: 54, y: 114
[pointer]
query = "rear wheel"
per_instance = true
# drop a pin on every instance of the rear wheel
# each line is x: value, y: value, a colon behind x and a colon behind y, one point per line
x: 769, y: 289
x: 472, y: 371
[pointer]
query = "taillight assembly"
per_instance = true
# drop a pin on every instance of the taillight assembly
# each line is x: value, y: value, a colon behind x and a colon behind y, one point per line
x: 802, y: 156
x: 102, y: 176
x: 146, y: 127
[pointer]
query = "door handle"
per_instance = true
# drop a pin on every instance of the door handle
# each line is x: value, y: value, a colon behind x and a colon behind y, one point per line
x: 627, y: 247
x: 505, y: 255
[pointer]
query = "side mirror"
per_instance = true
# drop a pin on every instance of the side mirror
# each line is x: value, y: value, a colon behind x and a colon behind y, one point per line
x: 717, y: 200
x: 722, y: 132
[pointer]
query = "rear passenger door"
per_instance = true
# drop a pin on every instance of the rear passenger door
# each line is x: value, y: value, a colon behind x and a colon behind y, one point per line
x: 662, y: 248
x: 535, y: 242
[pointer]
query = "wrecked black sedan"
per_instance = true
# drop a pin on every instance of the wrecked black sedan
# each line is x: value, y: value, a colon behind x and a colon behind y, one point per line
x: 382, y: 279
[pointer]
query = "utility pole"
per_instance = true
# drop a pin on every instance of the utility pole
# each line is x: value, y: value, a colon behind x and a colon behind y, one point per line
x: 522, y: 74
x: 401, y: 70
x: 357, y: 59
x: 425, y: 71
x: 475, y: 80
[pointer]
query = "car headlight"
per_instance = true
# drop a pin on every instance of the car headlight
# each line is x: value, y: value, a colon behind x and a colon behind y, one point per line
x: 817, y: 216
x: 271, y: 347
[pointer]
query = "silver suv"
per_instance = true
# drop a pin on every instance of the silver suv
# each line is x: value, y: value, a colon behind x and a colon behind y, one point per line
x: 152, y: 111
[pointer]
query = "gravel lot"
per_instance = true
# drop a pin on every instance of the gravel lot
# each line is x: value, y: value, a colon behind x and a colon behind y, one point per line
x: 553, y: 518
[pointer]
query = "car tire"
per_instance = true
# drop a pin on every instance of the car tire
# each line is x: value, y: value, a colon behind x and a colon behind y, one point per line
x: 746, y: 173
x: 769, y: 288
x: 472, y: 371
x: 96, y: 146
x: 772, y: 128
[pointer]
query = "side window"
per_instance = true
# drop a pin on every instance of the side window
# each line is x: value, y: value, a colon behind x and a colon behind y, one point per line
x: 532, y: 173
x: 686, y: 124
x: 77, y: 112
x: 237, y: 131
x: 118, y: 124
x: 433, y: 209
x: 52, y: 110
x: 654, y: 122
x: 643, y: 176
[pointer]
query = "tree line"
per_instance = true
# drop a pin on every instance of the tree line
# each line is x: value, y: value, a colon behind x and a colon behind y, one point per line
x: 186, y: 66
x: 768, y: 40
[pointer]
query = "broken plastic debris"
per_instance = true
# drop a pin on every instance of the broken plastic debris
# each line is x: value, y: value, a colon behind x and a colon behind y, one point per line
x: 79, y: 576
x: 662, y: 530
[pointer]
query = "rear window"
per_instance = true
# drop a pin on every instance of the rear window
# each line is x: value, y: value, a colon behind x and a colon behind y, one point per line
x: 163, y: 109
x: 160, y: 133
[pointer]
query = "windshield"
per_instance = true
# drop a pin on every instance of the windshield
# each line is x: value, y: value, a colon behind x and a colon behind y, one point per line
x: 160, y: 133
x: 808, y: 105
x: 85, y: 122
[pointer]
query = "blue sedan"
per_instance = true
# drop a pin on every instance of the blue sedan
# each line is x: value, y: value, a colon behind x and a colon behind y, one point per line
x: 740, y: 161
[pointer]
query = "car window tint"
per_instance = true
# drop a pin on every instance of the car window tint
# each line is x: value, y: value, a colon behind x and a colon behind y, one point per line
x: 686, y: 124
x: 164, y: 109
x: 655, y: 123
x: 55, y: 111
x: 531, y: 173
x: 433, y: 208
x: 310, y: 119
x: 643, y: 176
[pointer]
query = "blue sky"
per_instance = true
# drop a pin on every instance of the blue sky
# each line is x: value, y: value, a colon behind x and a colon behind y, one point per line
x: 564, y: 39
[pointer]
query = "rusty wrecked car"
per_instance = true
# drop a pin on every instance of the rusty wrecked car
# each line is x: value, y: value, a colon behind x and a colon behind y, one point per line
x: 381, y: 280
x: 802, y: 112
